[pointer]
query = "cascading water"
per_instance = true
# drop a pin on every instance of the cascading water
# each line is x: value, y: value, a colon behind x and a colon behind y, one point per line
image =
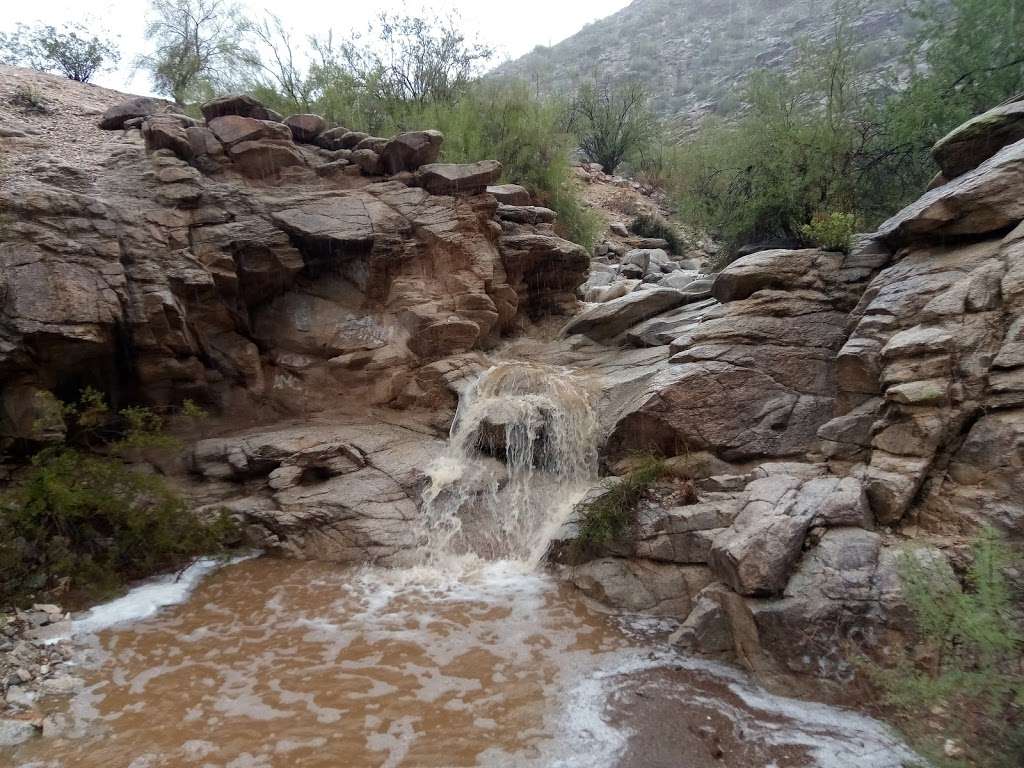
x: 472, y: 657
x: 522, y: 452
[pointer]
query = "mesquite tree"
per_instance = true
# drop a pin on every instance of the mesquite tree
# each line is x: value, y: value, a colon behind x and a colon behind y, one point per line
x: 611, y: 123
x: 197, y: 46
x: 70, y: 50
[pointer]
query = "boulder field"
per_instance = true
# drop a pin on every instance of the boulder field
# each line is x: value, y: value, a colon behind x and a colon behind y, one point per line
x: 327, y: 293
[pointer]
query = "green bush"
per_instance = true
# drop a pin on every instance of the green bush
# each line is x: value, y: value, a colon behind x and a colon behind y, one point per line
x: 815, y: 139
x: 652, y: 225
x: 89, y: 522
x: 611, y: 124
x: 966, y: 660
x: 526, y: 135
x: 608, y: 517
x: 830, y: 231
x: 72, y: 50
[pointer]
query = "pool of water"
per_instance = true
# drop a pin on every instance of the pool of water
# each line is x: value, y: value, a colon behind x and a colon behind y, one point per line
x: 277, y: 663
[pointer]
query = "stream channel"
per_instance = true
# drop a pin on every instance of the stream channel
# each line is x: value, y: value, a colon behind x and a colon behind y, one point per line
x: 474, y: 654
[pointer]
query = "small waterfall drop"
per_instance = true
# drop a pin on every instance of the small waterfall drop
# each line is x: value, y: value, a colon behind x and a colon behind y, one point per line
x: 522, y: 452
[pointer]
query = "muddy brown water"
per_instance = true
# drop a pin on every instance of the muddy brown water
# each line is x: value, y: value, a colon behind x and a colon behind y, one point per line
x: 276, y: 663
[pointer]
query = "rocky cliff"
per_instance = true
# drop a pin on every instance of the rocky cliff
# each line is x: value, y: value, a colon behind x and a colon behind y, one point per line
x: 247, y: 262
x: 836, y: 410
x: 263, y: 267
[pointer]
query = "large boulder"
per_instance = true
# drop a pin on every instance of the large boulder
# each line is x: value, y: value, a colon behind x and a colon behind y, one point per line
x: 265, y: 159
x: 331, y: 139
x: 603, y: 322
x: 305, y: 128
x: 543, y: 269
x: 204, y: 141
x: 847, y: 592
x: 453, y: 178
x: 974, y: 142
x: 510, y: 194
x: 368, y: 161
x: 526, y: 214
x: 444, y: 338
x: 774, y: 269
x: 343, y: 492
x: 981, y: 201
x: 239, y: 104
x: 684, y: 535
x: 639, y: 586
x: 140, y: 106
x: 167, y: 132
x: 234, y: 129
x: 756, y: 554
x: 408, y: 151
x: 363, y: 141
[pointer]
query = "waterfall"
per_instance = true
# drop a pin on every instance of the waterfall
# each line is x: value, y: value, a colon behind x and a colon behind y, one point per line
x: 522, y: 452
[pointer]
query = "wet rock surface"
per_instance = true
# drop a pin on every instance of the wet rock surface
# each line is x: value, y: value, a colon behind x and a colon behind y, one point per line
x: 330, y: 293
x: 346, y: 489
x: 238, y: 272
x: 34, y: 666
x: 848, y: 410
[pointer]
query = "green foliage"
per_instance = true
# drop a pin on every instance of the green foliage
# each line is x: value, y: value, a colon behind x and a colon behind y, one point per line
x: 480, y: 119
x: 609, y: 515
x: 416, y: 59
x: 804, y: 144
x: 191, y: 410
x: 525, y: 134
x: 197, y: 47
x: 831, y: 231
x: 973, y: 52
x: 653, y: 225
x: 967, y: 653
x: 377, y: 82
x: 70, y: 50
x: 818, y: 140
x: 89, y: 522
x: 611, y: 123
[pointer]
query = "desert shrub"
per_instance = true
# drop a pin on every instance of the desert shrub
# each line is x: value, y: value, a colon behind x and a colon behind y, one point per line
x: 763, y: 176
x: 417, y: 72
x: 29, y: 100
x: 653, y: 225
x: 71, y: 50
x: 831, y: 231
x: 197, y: 47
x: 88, y: 522
x: 816, y: 139
x: 966, y: 663
x: 972, y: 52
x: 611, y: 123
x: 526, y: 135
x: 607, y: 517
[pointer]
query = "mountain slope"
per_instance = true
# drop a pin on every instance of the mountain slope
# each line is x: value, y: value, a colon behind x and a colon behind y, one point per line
x: 693, y: 53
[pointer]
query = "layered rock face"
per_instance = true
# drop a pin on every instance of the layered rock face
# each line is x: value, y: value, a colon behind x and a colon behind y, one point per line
x: 838, y: 412
x: 264, y: 267
x: 247, y: 262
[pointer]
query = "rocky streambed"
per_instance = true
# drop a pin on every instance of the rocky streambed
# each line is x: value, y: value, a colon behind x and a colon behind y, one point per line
x: 343, y: 303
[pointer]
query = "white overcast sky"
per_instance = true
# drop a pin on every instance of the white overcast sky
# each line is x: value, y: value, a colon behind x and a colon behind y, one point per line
x: 513, y: 28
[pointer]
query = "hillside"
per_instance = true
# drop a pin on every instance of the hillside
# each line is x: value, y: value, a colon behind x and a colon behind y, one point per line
x: 693, y: 53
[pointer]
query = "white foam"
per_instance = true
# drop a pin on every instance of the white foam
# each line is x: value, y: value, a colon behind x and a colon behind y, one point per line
x: 834, y: 736
x: 148, y: 598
